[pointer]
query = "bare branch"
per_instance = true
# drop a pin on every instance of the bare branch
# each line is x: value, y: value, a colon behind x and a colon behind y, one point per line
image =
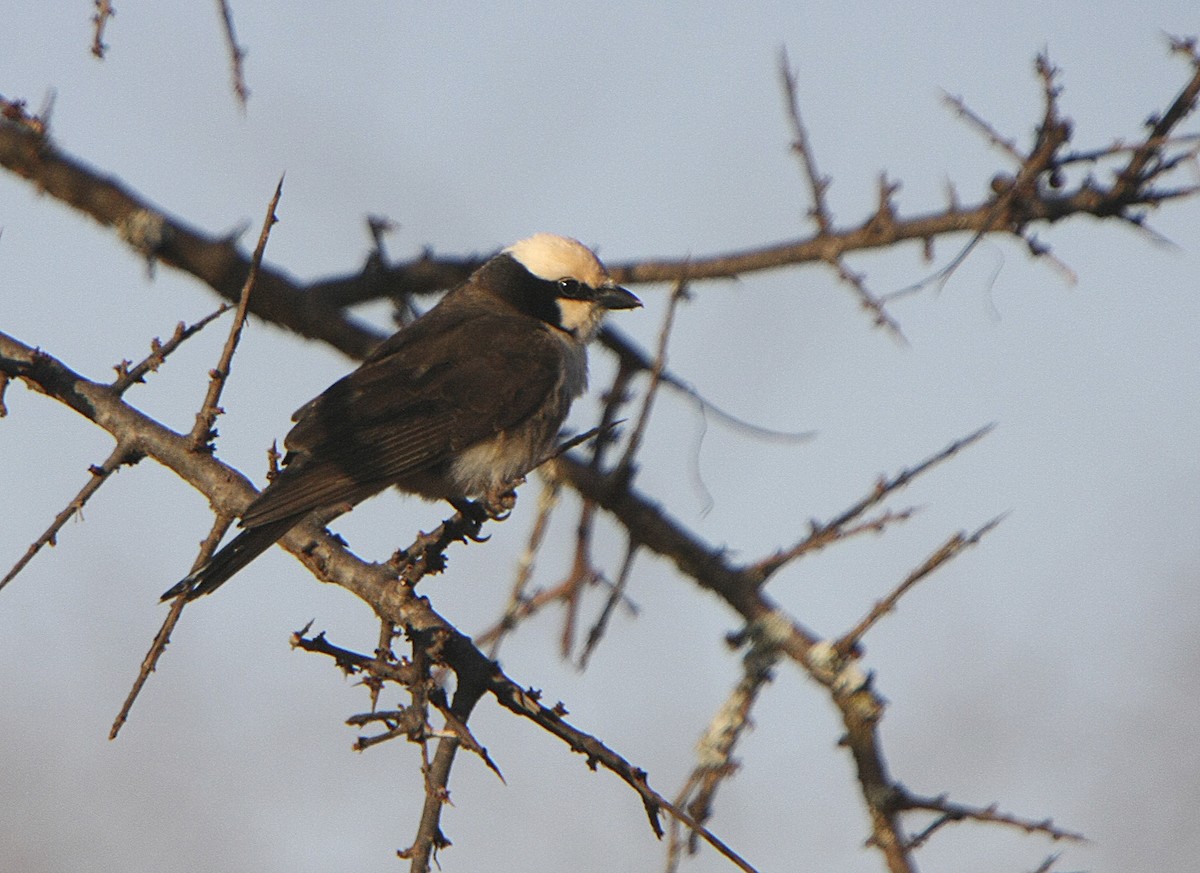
x: 817, y: 184
x: 121, y: 455
x: 981, y: 125
x: 527, y: 705
x: 128, y: 376
x: 957, y: 812
x: 837, y: 528
x: 714, y: 751
x: 202, y: 432
x: 237, y: 54
x: 952, y: 547
x: 159, y: 644
x: 104, y: 11
x: 316, y: 311
x: 625, y: 465
x: 28, y: 152
x: 615, y: 596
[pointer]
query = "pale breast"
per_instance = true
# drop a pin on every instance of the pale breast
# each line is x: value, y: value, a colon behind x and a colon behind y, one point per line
x: 512, y: 453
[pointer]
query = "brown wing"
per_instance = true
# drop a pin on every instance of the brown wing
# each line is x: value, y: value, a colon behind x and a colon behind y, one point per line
x: 455, y: 377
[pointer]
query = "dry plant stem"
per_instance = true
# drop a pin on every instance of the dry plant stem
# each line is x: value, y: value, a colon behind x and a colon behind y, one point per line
x: 236, y: 53
x: 384, y: 654
x: 615, y: 596
x: 120, y: 456
x: 524, y: 608
x: 802, y: 148
x: 1015, y: 194
x: 860, y: 706
x: 527, y: 704
x: 350, y: 662
x: 993, y: 136
x: 202, y: 432
x: 471, y: 687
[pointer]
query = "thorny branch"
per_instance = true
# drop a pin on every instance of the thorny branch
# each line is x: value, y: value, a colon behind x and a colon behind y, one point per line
x: 324, y: 555
x: 202, y: 432
x: 237, y: 54
x: 199, y: 439
x: 1036, y: 195
x: 318, y: 309
x: 818, y: 186
x: 161, y: 639
x: 950, y: 813
x: 120, y: 456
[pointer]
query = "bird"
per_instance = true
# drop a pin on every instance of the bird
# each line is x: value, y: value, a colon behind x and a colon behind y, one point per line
x: 456, y: 405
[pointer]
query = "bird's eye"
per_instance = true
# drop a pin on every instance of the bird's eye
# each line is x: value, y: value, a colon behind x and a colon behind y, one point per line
x: 568, y: 287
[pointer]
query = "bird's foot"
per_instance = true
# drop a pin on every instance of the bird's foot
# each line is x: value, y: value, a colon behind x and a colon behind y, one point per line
x: 472, y: 514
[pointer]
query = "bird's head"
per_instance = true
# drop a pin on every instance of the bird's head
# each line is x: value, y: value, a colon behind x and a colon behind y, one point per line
x: 572, y: 277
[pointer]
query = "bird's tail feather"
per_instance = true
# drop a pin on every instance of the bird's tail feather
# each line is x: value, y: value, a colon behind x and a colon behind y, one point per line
x: 240, y: 551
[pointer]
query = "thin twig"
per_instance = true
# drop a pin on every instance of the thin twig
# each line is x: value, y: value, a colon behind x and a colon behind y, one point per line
x: 471, y: 687
x: 837, y: 527
x: 123, y: 454
x: 202, y: 433
x: 527, y: 705
x: 615, y: 596
x: 384, y: 654
x: 128, y: 376
x: 624, y: 471
x: 679, y: 294
x: 159, y: 644
x: 957, y: 812
x: 818, y: 185
x: 236, y: 53
x: 583, y: 572
x: 981, y: 125
x: 836, y: 530
x: 518, y: 600
x: 104, y: 11
x: 959, y: 542
x: 868, y: 301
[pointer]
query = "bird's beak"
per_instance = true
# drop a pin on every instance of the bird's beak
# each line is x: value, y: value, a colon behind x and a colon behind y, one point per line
x: 616, y: 297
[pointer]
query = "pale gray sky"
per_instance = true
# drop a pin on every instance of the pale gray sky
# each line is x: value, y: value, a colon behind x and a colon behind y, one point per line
x: 1052, y: 670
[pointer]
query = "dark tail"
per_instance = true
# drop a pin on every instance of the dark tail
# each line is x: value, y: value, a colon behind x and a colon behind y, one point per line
x: 242, y: 549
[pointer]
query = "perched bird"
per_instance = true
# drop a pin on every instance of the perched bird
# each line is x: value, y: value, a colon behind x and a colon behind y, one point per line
x: 457, y: 404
